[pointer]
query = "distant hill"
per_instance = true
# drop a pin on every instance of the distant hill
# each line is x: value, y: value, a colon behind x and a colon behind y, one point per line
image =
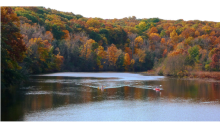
x: 63, y: 41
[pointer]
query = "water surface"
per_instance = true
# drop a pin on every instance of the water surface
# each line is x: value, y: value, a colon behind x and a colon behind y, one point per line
x: 112, y: 96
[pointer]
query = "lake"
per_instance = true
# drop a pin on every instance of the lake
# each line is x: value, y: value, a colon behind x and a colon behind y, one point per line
x: 111, y: 96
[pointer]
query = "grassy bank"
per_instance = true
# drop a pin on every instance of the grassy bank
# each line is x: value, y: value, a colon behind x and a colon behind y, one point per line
x: 205, y: 74
x: 149, y: 73
x: 193, y: 74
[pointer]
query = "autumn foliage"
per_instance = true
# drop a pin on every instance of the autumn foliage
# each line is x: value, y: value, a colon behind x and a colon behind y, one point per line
x: 48, y: 40
x: 12, y: 47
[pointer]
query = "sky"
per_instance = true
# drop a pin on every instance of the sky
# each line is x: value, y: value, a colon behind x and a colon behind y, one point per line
x: 204, y: 10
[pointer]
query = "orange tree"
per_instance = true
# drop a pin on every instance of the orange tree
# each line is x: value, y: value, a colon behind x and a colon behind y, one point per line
x: 12, y: 48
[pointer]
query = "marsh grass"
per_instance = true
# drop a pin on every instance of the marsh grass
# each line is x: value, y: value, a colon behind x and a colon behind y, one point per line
x: 205, y: 74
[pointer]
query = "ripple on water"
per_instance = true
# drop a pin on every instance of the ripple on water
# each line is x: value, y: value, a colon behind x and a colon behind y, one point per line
x: 38, y: 92
x: 47, y: 92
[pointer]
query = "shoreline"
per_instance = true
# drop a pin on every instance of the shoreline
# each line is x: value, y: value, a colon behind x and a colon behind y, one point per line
x: 198, y: 76
x: 201, y: 79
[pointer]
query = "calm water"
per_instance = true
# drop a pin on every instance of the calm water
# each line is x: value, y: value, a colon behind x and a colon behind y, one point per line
x: 111, y: 96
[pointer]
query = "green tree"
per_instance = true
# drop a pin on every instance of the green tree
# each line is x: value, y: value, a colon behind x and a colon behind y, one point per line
x: 57, y: 32
x: 120, y: 62
x: 194, y: 52
x: 95, y: 36
x: 162, y: 33
x: 95, y: 46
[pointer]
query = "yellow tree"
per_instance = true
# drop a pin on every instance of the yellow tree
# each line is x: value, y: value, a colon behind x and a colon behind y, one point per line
x: 101, y: 52
x: 174, y: 36
x: 40, y: 51
x: 112, y: 54
x: 138, y: 41
x: 93, y: 23
x: 217, y: 25
x: 153, y: 30
x: 103, y: 55
x: 127, y: 61
x: 207, y: 29
x: 43, y: 47
x: 141, y: 54
x: 87, y: 49
x: 142, y: 26
x: 188, y: 41
x: 197, y: 33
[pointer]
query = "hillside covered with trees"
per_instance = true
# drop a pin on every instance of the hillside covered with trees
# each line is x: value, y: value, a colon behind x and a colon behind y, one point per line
x: 38, y: 40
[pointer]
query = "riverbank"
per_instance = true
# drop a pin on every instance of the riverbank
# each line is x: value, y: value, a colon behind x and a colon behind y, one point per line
x: 195, y: 75
x: 149, y: 73
x: 204, y: 75
x: 202, y: 79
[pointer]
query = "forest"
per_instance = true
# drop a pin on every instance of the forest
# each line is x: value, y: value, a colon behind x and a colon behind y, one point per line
x: 38, y: 40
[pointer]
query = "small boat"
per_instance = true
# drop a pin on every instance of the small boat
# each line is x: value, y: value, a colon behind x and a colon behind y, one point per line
x: 157, y: 89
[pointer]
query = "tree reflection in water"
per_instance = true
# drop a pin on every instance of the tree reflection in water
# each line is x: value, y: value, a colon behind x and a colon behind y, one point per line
x: 48, y: 93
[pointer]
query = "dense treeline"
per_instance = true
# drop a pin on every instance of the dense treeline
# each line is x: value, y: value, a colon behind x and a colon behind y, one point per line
x: 47, y: 40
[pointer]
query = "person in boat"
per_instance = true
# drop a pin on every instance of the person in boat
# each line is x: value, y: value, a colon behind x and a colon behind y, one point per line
x: 157, y: 88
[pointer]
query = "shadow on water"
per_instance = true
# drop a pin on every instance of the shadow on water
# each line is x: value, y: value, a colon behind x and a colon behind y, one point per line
x: 12, y: 105
x: 48, y: 93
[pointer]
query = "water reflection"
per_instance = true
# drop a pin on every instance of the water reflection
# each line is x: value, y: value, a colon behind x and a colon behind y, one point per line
x: 55, y: 94
x: 43, y: 93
